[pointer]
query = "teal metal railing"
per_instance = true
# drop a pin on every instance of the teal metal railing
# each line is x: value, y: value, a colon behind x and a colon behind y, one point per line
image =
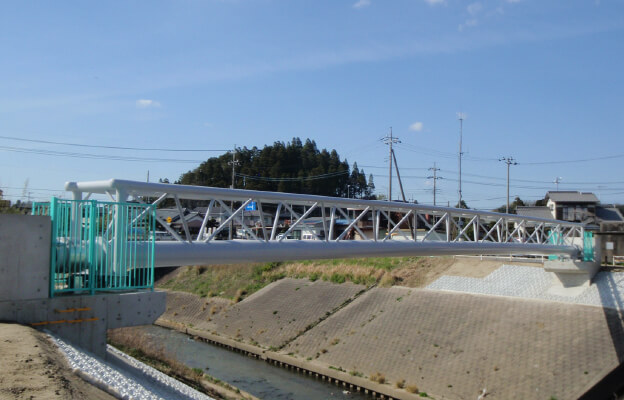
x: 588, y: 246
x: 99, y: 246
x: 555, y: 238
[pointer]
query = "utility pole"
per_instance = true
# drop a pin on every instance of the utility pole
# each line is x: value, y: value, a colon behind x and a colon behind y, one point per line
x: 509, y: 161
x: 556, y: 181
x: 390, y: 140
x: 435, y: 178
x: 234, y: 163
x: 460, y: 116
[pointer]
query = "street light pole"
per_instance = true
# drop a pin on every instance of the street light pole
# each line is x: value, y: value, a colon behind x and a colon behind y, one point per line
x: 556, y: 182
x: 509, y: 161
x: 460, y: 116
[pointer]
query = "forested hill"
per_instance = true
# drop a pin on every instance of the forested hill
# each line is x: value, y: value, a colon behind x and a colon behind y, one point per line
x: 292, y: 167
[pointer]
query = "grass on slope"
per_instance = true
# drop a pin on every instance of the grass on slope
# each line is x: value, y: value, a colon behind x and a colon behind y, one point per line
x: 240, y: 280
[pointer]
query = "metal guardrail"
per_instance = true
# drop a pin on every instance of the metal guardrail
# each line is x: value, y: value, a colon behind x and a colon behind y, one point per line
x: 99, y: 246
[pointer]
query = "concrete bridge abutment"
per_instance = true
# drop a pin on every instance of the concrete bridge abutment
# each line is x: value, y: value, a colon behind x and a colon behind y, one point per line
x: 83, y: 320
x: 571, y: 277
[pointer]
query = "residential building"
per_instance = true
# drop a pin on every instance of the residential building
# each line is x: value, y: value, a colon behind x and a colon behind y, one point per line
x: 606, y: 222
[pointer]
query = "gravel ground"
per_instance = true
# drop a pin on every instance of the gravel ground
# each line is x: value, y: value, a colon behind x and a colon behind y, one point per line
x: 126, y: 377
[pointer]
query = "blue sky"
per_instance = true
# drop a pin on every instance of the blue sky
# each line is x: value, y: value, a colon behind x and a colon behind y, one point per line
x: 540, y: 81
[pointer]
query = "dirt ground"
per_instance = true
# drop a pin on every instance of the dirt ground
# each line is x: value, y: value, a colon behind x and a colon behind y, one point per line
x: 33, y: 368
x: 427, y: 269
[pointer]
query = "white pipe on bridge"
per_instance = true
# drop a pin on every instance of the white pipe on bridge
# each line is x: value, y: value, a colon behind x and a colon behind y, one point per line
x: 169, y: 254
x: 188, y: 192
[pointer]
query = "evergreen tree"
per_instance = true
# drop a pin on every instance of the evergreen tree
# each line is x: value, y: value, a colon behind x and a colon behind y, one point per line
x: 293, y: 167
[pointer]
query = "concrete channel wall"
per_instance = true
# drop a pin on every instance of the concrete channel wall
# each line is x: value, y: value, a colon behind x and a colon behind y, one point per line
x: 80, y: 319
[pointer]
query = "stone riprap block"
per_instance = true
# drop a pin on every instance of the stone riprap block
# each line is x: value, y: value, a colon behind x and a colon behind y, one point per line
x: 453, y: 345
x: 24, y: 256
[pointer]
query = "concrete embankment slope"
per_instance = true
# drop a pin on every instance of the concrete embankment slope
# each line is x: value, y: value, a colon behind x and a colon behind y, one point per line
x: 270, y: 317
x: 450, y: 345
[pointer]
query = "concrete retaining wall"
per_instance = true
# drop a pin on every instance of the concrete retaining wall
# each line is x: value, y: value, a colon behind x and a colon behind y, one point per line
x: 24, y: 256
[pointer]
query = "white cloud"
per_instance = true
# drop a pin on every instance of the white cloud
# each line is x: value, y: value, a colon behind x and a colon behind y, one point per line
x: 474, y: 8
x: 513, y: 1
x: 416, y: 127
x: 362, y: 4
x: 469, y: 23
x: 435, y: 2
x: 146, y: 103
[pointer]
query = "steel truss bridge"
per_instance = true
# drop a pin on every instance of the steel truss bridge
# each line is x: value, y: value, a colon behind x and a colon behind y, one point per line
x: 346, y: 227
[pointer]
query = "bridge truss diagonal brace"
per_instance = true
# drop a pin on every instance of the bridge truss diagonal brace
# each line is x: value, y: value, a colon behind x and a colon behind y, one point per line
x: 441, y: 224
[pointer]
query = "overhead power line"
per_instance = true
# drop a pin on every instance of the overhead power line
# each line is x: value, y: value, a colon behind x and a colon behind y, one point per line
x: 307, y: 178
x: 574, y: 161
x: 35, y: 189
x: 94, y: 156
x: 108, y: 147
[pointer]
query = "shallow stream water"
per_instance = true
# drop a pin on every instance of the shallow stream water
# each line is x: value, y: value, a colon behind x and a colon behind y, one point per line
x: 254, y: 376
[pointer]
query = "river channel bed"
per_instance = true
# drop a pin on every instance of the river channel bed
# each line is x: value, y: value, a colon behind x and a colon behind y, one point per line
x: 254, y: 376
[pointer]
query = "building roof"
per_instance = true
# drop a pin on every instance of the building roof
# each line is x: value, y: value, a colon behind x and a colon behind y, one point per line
x: 572, y: 197
x: 609, y: 214
x: 537, y: 212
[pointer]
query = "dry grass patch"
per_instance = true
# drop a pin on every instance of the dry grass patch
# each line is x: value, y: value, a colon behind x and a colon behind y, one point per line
x: 411, y: 388
x: 237, y: 281
x: 332, y: 271
x: 378, y: 377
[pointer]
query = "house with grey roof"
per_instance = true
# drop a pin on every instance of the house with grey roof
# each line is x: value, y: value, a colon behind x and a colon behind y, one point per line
x: 572, y: 206
x: 584, y: 207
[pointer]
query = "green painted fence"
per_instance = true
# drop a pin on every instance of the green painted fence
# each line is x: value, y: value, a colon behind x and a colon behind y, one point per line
x: 99, y: 246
